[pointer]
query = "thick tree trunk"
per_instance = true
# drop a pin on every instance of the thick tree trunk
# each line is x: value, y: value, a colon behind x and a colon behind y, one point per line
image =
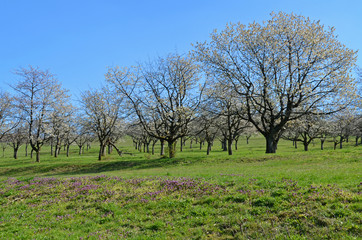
x: 230, y: 150
x: 31, y: 153
x: 305, y: 146
x: 51, y: 148
x: 171, y: 149
x: 247, y: 139
x: 201, y: 145
x: 80, y: 150
x: 271, y: 144
x: 341, y: 142
x: 16, y: 152
x: 236, y: 144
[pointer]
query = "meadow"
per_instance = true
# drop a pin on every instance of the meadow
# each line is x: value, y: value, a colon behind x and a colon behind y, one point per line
x: 292, y: 194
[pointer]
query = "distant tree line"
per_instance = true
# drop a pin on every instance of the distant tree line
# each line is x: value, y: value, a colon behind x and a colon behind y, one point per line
x: 286, y: 78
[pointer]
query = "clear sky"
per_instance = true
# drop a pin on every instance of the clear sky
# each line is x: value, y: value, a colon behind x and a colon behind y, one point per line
x: 78, y: 39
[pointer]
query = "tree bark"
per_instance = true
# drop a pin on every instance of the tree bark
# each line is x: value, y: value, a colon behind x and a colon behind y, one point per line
x: 322, y: 143
x: 305, y: 146
x: 16, y: 152
x: 230, y: 150
x: 38, y: 156
x: 208, y: 148
x: 271, y: 144
x: 68, y: 150
x: 171, y: 149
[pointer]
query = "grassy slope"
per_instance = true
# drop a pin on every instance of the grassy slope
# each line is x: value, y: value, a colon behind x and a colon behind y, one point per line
x: 341, y: 166
x: 251, y: 195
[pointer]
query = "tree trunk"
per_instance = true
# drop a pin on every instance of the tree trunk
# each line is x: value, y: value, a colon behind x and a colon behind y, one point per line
x: 335, y: 145
x: 224, y: 145
x: 148, y: 147
x: 38, y: 156
x: 236, y: 144
x: 208, y: 148
x: 68, y: 150
x: 109, y: 149
x: 230, y: 150
x: 51, y: 148
x: 80, y: 150
x: 56, y: 152
x: 101, y: 149
x: 153, y: 147
x: 271, y: 144
x: 31, y: 153
x: 341, y: 142
x: 305, y: 146
x: 357, y: 140
x: 322, y: 143
x: 190, y: 143
x: 200, y: 145
x: 182, y: 144
x: 171, y: 149
x: 162, y: 147
x: 16, y: 152
x: 247, y: 139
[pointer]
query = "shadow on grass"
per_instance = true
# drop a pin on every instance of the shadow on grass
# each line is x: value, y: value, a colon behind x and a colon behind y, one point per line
x: 64, y: 169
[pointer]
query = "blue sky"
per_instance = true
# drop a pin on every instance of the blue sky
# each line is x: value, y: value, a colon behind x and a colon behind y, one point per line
x: 78, y: 39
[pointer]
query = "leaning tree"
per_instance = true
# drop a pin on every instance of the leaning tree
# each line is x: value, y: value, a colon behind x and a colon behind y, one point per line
x: 278, y: 67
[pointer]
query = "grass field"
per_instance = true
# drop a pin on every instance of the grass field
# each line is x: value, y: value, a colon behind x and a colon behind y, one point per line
x: 250, y: 195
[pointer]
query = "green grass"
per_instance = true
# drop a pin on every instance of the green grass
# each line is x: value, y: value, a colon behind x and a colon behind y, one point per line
x: 292, y: 194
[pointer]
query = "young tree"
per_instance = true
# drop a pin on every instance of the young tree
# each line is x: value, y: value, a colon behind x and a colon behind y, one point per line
x: 38, y: 92
x: 163, y: 94
x: 279, y: 67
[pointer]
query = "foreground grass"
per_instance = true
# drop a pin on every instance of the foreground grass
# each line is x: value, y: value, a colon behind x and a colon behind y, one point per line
x: 251, y: 195
x: 176, y: 208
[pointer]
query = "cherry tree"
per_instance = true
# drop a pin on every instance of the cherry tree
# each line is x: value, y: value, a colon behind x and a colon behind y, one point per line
x: 38, y: 91
x: 280, y: 66
x: 163, y: 94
